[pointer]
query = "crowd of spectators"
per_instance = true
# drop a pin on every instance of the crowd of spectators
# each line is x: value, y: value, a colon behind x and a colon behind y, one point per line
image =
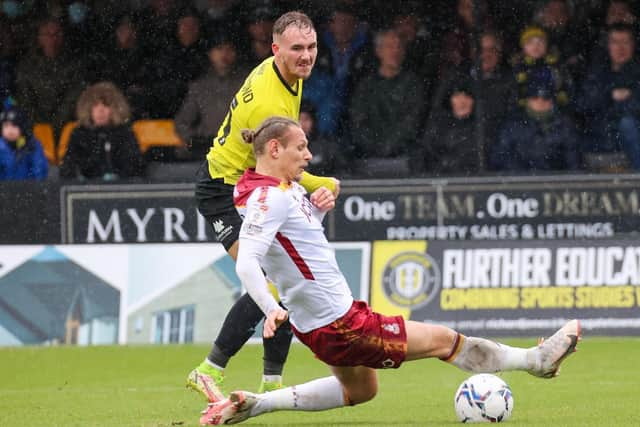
x: 399, y: 89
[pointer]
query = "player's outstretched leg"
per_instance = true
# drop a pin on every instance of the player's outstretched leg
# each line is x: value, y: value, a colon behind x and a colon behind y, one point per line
x: 552, y: 351
x: 316, y: 395
x: 239, y: 325
x: 480, y: 355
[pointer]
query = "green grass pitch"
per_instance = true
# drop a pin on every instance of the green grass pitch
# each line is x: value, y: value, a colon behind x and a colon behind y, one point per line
x: 144, y: 386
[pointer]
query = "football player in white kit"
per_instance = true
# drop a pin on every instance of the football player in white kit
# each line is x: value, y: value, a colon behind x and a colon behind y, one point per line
x: 282, y: 234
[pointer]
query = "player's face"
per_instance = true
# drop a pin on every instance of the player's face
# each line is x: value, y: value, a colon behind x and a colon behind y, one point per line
x: 296, y: 155
x: 295, y: 51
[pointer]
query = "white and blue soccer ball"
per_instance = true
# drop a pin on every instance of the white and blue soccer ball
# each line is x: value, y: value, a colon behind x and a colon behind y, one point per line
x: 483, y: 398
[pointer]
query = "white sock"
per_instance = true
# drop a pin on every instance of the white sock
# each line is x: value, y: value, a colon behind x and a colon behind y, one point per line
x: 317, y: 395
x: 213, y: 365
x: 484, y: 356
x: 272, y: 379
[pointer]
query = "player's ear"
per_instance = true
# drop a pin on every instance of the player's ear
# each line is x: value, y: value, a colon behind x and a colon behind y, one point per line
x: 275, y: 48
x: 274, y: 148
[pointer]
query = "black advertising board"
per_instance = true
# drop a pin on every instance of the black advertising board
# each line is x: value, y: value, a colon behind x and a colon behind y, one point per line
x: 566, y: 207
x: 29, y: 212
x: 131, y: 214
x: 507, y: 208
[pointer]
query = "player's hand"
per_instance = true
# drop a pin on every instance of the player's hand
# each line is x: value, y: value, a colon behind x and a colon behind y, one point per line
x: 323, y: 199
x: 336, y: 192
x: 274, y: 319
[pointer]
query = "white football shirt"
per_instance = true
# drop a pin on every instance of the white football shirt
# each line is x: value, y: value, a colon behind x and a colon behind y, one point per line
x: 283, y: 232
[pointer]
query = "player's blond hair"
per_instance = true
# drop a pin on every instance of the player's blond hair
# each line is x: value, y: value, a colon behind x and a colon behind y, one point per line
x: 296, y: 18
x: 272, y: 128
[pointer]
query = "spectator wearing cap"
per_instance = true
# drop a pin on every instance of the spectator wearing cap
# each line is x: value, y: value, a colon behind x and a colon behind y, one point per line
x: 534, y: 62
x: 610, y: 100
x: 448, y: 146
x: 21, y: 154
x: 207, y: 100
x: 537, y: 138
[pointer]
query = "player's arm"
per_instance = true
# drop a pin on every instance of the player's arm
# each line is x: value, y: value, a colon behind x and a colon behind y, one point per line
x: 259, y: 227
x: 312, y: 182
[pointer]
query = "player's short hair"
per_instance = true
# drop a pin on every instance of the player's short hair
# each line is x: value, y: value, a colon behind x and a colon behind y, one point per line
x: 274, y: 127
x: 297, y: 18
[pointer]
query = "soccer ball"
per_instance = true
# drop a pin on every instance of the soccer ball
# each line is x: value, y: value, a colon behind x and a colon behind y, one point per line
x: 483, y: 398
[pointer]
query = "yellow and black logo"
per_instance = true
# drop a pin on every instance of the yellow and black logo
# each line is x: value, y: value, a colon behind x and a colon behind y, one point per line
x: 411, y: 279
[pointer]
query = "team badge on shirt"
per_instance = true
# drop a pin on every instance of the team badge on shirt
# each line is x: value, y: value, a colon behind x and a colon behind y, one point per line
x: 254, y: 220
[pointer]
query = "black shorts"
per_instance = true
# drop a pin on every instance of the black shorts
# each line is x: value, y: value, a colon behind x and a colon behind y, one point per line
x: 215, y: 203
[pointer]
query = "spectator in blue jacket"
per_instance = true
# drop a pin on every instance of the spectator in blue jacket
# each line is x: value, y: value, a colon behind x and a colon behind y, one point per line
x: 537, y: 138
x: 21, y: 155
x: 610, y: 99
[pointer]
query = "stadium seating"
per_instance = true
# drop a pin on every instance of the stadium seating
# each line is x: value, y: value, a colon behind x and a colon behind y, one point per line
x: 43, y: 132
x: 156, y: 133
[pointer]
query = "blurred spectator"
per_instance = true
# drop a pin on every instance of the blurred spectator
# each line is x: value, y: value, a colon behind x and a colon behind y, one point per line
x: 21, y: 155
x: 122, y: 62
x: 103, y: 145
x: 537, y: 138
x: 157, y: 25
x: 534, y: 62
x: 344, y: 56
x: 422, y: 49
x: 207, y: 101
x: 80, y: 27
x: 495, y: 86
x: 49, y: 79
x: 456, y: 44
x: 449, y: 145
x: 18, y: 24
x: 181, y: 61
x: 610, y: 99
x: 327, y: 157
x: 259, y: 28
x: 386, y: 109
x: 222, y: 15
x: 618, y: 12
x: 567, y: 40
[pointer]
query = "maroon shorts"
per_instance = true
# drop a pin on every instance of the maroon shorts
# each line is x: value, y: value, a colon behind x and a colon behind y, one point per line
x: 360, y: 337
